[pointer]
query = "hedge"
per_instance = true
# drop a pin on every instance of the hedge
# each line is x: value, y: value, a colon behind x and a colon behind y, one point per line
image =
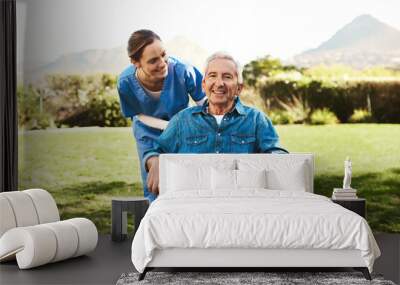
x: 381, y: 98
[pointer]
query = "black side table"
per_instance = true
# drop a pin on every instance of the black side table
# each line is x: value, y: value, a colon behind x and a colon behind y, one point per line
x: 357, y: 205
x: 120, y: 206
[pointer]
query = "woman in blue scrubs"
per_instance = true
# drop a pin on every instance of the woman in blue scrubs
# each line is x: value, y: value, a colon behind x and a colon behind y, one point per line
x: 153, y: 89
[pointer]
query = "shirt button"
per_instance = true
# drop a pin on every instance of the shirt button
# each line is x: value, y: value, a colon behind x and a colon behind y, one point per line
x: 195, y: 141
x: 219, y: 134
x: 217, y: 151
x: 242, y: 141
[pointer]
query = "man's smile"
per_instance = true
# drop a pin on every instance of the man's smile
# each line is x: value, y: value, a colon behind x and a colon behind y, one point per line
x: 219, y: 92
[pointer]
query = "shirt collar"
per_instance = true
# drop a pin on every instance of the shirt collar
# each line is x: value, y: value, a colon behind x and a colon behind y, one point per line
x: 239, y: 108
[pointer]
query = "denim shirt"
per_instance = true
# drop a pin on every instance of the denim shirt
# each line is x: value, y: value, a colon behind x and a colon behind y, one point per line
x: 194, y: 130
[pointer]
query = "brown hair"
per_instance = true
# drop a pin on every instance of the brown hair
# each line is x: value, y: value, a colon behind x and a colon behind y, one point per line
x: 138, y: 41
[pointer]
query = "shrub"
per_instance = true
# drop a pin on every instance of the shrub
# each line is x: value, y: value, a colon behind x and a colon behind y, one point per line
x: 341, y: 97
x: 102, y: 111
x: 296, y: 109
x: 32, y: 111
x: 279, y: 117
x: 361, y: 116
x: 27, y: 104
x: 40, y: 122
x: 74, y: 100
x: 323, y: 117
x: 251, y: 97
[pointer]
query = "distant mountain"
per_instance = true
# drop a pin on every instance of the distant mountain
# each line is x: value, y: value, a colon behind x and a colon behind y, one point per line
x: 89, y: 61
x: 187, y: 51
x: 114, y: 60
x: 364, y: 42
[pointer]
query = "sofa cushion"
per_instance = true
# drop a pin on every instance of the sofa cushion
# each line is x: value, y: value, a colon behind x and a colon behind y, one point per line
x: 7, y: 215
x: 46, y: 207
x: 23, y: 208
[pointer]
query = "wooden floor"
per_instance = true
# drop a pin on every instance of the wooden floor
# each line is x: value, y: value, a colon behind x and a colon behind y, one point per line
x: 102, y: 266
x: 111, y: 259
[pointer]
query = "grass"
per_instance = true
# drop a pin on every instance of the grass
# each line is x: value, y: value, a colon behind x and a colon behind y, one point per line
x: 84, y: 167
x: 371, y: 147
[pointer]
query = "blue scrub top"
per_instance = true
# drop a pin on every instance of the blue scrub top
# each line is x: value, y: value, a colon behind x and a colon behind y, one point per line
x: 182, y: 80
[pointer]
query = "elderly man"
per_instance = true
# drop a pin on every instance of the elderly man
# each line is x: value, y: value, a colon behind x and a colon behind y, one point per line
x: 221, y: 125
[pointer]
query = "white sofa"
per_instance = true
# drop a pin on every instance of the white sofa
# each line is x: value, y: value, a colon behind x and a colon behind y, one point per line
x: 31, y: 231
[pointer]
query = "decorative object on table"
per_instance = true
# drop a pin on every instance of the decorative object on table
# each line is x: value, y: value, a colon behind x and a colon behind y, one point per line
x: 345, y: 193
x: 347, y: 174
x: 243, y: 278
x: 31, y: 231
x: 120, y: 206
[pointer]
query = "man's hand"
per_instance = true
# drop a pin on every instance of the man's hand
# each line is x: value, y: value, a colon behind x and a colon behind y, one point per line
x: 153, y: 176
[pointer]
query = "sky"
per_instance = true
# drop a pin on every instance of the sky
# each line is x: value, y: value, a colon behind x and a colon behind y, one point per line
x: 247, y: 29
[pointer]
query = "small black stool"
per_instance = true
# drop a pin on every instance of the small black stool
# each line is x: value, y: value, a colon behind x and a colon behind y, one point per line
x: 120, y: 206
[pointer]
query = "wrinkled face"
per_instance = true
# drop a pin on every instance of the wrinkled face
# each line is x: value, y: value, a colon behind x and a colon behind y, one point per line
x: 154, y: 61
x: 220, y: 83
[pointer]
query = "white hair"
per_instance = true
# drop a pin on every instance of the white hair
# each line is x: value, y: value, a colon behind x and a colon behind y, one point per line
x: 225, y: 55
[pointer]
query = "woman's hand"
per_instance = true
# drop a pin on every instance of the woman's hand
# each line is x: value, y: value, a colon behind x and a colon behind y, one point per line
x: 153, y: 176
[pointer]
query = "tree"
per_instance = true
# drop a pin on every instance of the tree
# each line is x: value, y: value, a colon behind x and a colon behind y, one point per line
x: 262, y: 68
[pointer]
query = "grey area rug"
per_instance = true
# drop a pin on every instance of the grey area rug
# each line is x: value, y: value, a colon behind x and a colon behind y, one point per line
x: 229, y: 278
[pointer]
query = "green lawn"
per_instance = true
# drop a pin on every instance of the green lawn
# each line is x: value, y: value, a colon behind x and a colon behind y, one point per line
x: 84, y: 167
